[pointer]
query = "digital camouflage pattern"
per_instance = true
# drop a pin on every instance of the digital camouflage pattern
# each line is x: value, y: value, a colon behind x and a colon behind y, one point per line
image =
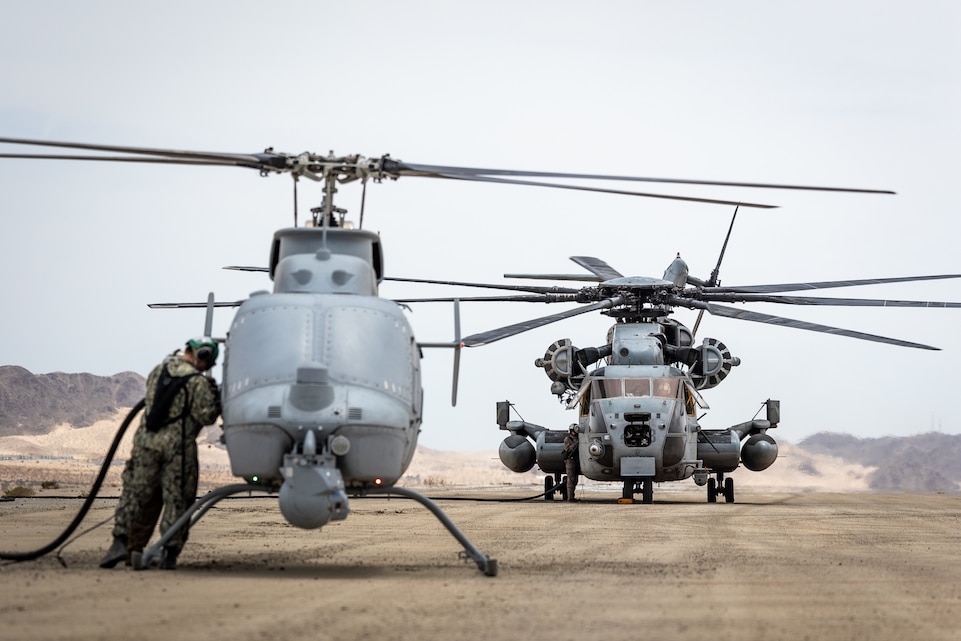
x: 162, y: 471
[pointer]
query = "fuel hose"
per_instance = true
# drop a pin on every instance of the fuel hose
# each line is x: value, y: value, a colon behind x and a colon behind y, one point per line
x: 36, y: 554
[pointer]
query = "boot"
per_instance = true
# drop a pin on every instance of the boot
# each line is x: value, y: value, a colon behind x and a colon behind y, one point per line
x: 116, y: 553
x: 169, y: 559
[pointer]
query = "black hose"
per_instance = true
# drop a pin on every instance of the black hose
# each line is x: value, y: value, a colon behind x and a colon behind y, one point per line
x: 478, y: 499
x: 36, y: 554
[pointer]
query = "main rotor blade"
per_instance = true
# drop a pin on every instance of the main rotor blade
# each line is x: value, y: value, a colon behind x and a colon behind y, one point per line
x: 579, y: 277
x: 712, y: 281
x: 475, y: 171
x: 155, y: 161
x: 212, y: 157
x: 597, y: 267
x: 247, y: 268
x: 520, y: 298
x: 485, y: 338
x: 837, y: 302
x: 757, y: 317
x: 793, y: 287
x: 519, y: 288
x: 193, y: 305
x: 601, y: 190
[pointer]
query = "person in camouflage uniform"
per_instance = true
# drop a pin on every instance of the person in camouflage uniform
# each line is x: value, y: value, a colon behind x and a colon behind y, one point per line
x: 162, y: 471
x: 570, y: 461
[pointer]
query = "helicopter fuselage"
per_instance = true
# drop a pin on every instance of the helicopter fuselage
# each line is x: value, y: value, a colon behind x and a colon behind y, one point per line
x: 322, y: 381
x: 637, y: 421
x: 338, y: 365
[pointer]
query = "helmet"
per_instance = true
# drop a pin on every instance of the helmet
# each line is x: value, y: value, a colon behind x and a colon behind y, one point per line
x: 205, y: 348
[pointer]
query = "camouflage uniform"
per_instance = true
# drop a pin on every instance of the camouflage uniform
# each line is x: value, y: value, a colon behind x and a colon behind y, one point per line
x: 570, y: 462
x: 162, y: 470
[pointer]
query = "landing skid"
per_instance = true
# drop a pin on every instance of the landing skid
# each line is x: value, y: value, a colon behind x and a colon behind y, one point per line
x: 720, y: 487
x: 484, y: 563
x: 152, y: 554
x: 200, y: 507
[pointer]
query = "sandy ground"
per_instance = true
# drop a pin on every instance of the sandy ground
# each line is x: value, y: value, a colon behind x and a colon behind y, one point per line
x: 771, y: 566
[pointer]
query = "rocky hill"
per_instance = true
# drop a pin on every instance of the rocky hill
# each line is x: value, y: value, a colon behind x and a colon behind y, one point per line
x: 923, y: 463
x: 36, y: 403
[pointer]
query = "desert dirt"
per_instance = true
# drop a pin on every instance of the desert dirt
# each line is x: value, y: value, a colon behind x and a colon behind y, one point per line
x: 773, y: 565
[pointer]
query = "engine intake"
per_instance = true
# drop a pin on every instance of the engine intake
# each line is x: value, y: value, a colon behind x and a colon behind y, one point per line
x: 712, y: 364
x: 561, y: 366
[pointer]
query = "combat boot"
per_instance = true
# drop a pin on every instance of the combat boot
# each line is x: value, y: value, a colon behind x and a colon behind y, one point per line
x: 169, y: 559
x: 116, y: 553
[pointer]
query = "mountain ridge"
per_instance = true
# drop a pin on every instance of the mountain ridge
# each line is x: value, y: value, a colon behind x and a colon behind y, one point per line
x: 37, y: 408
x: 36, y: 403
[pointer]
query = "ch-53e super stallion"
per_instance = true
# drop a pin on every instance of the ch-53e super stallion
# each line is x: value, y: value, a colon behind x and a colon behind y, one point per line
x: 637, y: 395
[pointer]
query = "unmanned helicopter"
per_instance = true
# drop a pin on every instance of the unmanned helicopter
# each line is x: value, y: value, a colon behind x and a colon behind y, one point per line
x: 322, y: 394
x: 637, y: 395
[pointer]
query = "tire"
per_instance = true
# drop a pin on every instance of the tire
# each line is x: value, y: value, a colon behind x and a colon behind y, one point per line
x: 648, y: 491
x: 729, y: 490
x: 549, y: 488
x: 711, y: 491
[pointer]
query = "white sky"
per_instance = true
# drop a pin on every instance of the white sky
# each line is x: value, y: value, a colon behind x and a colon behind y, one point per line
x: 855, y: 94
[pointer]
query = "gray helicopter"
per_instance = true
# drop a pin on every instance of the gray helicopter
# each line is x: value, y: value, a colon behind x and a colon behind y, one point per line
x: 637, y: 411
x: 322, y: 394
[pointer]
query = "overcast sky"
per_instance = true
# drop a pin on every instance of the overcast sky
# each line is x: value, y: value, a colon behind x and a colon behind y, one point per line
x: 853, y: 94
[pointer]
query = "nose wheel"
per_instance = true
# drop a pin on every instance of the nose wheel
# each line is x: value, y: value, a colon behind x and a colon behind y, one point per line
x: 644, y: 486
x: 720, y: 487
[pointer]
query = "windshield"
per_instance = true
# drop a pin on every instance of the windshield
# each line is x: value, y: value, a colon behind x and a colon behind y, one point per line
x: 616, y: 387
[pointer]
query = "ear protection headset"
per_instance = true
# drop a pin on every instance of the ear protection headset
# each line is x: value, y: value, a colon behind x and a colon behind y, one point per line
x: 204, y: 349
x: 206, y: 355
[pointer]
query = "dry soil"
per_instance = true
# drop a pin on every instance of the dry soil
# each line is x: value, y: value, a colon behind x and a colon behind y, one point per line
x: 770, y: 566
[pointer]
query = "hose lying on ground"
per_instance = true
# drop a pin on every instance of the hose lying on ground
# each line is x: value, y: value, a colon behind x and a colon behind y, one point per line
x: 36, y: 554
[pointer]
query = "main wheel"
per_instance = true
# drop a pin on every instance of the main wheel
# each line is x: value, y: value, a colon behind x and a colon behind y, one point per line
x: 647, y: 493
x: 563, y: 482
x: 729, y: 490
x: 549, y: 488
x: 628, y: 491
x: 711, y: 491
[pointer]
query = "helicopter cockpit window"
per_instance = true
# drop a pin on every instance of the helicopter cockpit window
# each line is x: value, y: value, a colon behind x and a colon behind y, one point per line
x: 606, y: 388
x: 665, y: 387
x: 637, y: 387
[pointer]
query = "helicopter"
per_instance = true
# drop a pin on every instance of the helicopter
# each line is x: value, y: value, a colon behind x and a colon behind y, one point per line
x: 322, y: 394
x: 637, y: 411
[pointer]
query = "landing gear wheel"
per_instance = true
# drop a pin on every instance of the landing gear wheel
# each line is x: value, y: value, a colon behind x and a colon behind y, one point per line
x: 563, y: 482
x: 628, y: 491
x: 549, y: 488
x: 729, y: 490
x: 647, y: 492
x: 711, y: 491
